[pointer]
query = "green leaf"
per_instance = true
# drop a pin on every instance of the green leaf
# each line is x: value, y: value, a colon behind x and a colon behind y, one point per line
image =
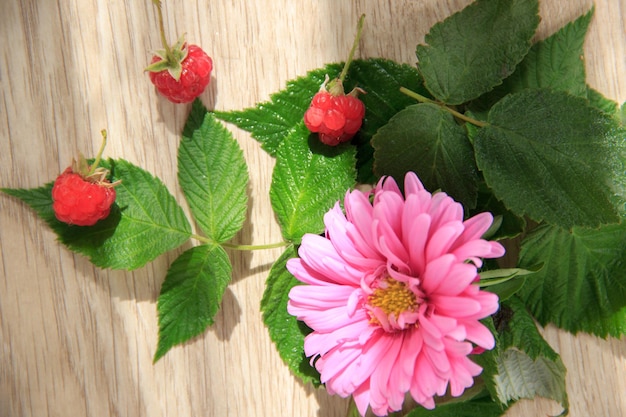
x: 583, y: 280
x: 285, y: 330
x: 309, y: 178
x: 614, y: 325
x: 213, y: 175
x: 425, y: 139
x: 191, y: 295
x: 270, y: 122
x: 555, y: 62
x: 551, y: 156
x: 597, y: 100
x: 472, y: 51
x: 145, y: 221
x: 522, y: 377
x: 40, y: 200
x: 481, y: 406
x: 526, y: 364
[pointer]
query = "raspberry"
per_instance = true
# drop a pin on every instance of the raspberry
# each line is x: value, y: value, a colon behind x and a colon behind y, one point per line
x: 82, y: 195
x: 184, y: 75
x: 80, y: 201
x: 334, y: 115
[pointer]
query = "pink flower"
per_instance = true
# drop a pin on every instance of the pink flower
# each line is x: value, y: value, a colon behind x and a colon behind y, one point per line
x: 392, y: 296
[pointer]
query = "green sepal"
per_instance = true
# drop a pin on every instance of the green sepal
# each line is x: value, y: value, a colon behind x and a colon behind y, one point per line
x: 171, y: 60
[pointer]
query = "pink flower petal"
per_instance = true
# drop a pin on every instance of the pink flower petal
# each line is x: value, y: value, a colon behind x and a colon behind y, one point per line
x: 436, y: 273
x: 412, y: 184
x: 317, y: 343
x: 362, y: 397
x: 442, y: 239
x: 479, y: 334
x: 418, y: 237
x: 455, y: 306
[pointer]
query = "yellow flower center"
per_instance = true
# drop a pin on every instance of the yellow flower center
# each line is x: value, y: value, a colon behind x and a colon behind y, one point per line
x: 392, y: 298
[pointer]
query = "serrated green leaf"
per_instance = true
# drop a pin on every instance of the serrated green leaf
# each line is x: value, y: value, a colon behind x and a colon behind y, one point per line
x: 285, y: 330
x: 522, y: 377
x: 476, y: 407
x: 472, y: 51
x: 213, y: 175
x: 191, y: 295
x: 551, y: 156
x: 309, y: 178
x: 614, y: 325
x: 40, y: 200
x: 516, y: 328
x: 425, y: 139
x: 597, y: 100
x: 526, y: 365
x: 555, y: 62
x: 583, y: 280
x: 145, y: 221
x: 487, y: 360
x: 270, y: 122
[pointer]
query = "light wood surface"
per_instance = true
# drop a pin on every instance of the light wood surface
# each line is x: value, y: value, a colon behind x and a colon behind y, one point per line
x: 78, y: 341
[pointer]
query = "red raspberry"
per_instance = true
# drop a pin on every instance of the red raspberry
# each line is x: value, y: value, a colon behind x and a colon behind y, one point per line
x: 82, y: 200
x: 188, y: 78
x: 334, y: 115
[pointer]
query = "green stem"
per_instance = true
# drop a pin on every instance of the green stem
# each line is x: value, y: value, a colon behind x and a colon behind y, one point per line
x: 255, y: 247
x: 96, y: 162
x: 166, y: 46
x: 352, y: 410
x: 455, y: 113
x: 346, y: 66
x: 241, y: 247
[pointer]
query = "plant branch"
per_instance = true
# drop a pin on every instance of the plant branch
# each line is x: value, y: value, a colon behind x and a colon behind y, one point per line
x: 455, y: 113
x: 234, y: 246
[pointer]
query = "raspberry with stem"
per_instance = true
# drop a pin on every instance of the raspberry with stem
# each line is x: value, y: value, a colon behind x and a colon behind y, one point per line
x: 333, y: 114
x: 82, y: 195
x: 180, y: 72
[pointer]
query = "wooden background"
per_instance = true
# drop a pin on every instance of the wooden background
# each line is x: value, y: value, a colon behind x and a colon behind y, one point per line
x: 78, y: 341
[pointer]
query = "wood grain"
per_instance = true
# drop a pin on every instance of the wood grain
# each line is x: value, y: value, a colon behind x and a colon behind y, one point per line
x: 78, y: 341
